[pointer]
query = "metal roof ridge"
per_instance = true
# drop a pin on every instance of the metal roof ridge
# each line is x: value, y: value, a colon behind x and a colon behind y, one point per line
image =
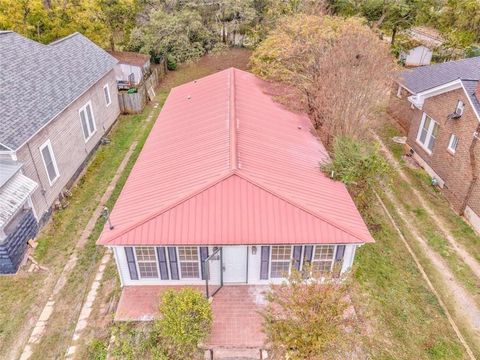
x: 232, y: 121
x: 295, y: 204
x: 170, y: 206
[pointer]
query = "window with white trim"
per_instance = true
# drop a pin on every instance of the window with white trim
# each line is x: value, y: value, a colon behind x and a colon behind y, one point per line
x: 452, y: 143
x: 49, y: 162
x: 87, y: 120
x: 189, y: 262
x: 460, y: 108
x: 147, y: 262
x: 323, y: 258
x: 106, y: 93
x: 427, y: 133
x: 280, y: 261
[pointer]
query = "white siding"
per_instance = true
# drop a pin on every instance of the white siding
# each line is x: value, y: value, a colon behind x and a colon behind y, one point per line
x: 253, y: 269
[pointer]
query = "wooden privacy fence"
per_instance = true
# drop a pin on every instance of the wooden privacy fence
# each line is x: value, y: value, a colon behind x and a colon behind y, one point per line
x: 135, y: 102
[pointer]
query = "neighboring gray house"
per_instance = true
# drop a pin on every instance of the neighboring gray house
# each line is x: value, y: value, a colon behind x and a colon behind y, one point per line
x: 57, y: 102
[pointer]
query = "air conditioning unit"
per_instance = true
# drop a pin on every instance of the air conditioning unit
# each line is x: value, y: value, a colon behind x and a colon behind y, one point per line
x: 458, y: 111
x: 455, y: 115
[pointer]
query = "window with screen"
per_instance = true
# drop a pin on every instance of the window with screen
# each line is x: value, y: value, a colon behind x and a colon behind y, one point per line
x: 87, y: 121
x: 106, y: 93
x: 189, y: 262
x: 452, y: 143
x: 147, y: 262
x: 281, y: 259
x: 323, y: 257
x: 49, y: 161
x: 427, y: 133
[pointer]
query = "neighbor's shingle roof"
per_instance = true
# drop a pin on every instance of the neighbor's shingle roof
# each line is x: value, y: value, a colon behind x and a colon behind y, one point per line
x: 471, y: 87
x: 225, y: 164
x: 39, y: 81
x: 427, y: 77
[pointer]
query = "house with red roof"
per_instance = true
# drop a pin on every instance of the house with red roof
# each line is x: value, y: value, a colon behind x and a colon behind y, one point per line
x: 228, y: 190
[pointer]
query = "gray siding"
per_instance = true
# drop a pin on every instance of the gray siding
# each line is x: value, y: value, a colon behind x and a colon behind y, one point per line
x: 68, y: 144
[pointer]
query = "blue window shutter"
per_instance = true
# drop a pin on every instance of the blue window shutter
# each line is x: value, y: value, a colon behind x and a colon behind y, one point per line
x: 172, y: 255
x: 132, y: 268
x: 297, y: 256
x: 265, y: 258
x: 307, y: 257
x: 203, y: 257
x: 340, y: 253
x: 162, y: 263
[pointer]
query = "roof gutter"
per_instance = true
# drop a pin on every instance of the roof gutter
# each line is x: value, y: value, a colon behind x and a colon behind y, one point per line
x: 418, y: 99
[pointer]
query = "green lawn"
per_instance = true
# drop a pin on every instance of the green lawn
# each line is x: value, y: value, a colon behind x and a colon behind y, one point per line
x: 401, y: 316
x: 462, y: 232
x: 63, y: 319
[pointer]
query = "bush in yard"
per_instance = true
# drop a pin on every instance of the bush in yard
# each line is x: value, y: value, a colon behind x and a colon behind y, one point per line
x: 307, y: 320
x: 171, y: 63
x: 186, y: 320
x: 359, y: 165
x: 97, y: 350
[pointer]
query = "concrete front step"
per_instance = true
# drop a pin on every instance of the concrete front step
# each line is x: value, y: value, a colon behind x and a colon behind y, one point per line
x: 236, y: 354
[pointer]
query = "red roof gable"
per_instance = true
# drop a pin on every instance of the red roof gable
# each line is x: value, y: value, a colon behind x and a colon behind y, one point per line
x: 225, y: 164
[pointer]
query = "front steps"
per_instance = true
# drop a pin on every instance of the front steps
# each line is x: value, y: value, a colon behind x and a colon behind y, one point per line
x: 236, y: 354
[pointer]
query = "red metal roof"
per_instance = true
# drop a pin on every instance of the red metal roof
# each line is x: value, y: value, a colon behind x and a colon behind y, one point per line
x: 225, y: 164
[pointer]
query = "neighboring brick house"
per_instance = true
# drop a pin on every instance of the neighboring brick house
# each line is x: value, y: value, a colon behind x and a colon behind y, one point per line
x: 57, y: 102
x: 440, y: 110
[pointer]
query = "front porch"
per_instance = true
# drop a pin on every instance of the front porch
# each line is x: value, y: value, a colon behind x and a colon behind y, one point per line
x: 237, y: 322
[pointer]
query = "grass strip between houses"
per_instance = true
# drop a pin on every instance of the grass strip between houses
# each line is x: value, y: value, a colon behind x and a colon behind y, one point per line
x: 62, y: 323
x: 402, y: 316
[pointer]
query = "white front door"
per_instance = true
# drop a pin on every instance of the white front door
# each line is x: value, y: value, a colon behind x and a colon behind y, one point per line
x: 234, y: 264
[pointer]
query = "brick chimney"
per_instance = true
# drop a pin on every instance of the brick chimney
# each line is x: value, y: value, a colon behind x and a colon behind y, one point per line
x: 477, y: 91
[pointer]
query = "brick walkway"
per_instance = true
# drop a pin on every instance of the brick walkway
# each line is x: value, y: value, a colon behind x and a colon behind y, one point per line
x: 237, y: 323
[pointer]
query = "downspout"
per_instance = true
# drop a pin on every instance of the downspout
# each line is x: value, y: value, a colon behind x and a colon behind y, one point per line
x: 473, y: 166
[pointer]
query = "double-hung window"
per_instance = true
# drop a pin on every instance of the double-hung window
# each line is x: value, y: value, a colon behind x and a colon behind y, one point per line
x: 427, y: 133
x: 106, y: 93
x: 189, y: 262
x: 147, y: 262
x: 322, y: 261
x: 281, y: 260
x: 452, y: 143
x: 87, y: 120
x: 49, y: 162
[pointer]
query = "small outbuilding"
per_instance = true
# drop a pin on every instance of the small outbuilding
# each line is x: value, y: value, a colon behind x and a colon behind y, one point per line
x: 132, y: 67
x: 422, y: 42
x: 418, y: 56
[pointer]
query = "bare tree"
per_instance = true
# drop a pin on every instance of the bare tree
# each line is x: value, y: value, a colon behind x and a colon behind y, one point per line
x: 340, y: 66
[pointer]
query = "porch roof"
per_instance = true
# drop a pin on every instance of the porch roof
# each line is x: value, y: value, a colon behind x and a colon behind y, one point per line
x: 225, y: 164
x: 13, y: 195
